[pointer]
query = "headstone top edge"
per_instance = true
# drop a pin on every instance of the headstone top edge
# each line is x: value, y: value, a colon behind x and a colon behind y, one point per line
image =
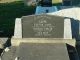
x: 42, y: 26
x: 43, y: 15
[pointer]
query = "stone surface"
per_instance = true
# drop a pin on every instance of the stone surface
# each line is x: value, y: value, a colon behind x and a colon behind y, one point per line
x: 18, y: 28
x: 42, y: 26
x: 17, y: 41
x: 36, y: 51
x: 10, y: 55
x: 67, y: 29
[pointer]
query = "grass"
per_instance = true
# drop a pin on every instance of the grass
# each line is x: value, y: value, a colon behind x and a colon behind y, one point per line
x: 8, y: 13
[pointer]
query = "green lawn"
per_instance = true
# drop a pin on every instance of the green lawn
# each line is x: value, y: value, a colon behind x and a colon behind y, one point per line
x: 8, y: 13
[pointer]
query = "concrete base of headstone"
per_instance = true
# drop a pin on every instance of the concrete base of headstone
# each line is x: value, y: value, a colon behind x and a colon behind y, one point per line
x: 18, y: 28
x: 67, y: 29
x: 32, y: 51
x: 17, y: 41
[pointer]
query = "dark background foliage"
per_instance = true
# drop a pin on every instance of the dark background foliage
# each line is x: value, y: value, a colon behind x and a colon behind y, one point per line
x: 8, y: 13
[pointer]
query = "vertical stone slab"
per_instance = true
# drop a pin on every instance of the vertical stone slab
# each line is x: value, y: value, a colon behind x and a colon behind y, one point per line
x: 42, y: 26
x: 18, y: 28
x: 67, y: 29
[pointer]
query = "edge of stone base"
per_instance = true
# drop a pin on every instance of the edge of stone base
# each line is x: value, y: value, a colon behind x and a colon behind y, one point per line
x: 17, y: 41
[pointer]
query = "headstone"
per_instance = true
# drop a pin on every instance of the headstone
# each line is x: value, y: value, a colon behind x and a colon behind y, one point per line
x: 36, y: 51
x: 42, y: 26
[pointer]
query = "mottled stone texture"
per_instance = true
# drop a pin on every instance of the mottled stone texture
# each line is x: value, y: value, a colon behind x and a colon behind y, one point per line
x: 31, y: 51
x: 42, y: 26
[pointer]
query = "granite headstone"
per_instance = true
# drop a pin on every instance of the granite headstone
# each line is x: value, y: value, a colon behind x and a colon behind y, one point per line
x: 42, y: 26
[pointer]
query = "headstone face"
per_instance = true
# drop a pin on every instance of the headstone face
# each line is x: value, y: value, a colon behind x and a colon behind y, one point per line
x: 31, y: 51
x: 42, y: 26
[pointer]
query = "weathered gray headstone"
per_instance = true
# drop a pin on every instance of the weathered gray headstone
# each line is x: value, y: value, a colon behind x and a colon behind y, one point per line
x: 31, y: 51
x: 42, y: 26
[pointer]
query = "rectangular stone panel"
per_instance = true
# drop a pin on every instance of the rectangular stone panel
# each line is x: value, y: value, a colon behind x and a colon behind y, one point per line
x: 42, y: 26
x: 34, y: 51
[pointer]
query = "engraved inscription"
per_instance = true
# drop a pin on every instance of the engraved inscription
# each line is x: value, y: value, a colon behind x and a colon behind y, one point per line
x: 43, y: 28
